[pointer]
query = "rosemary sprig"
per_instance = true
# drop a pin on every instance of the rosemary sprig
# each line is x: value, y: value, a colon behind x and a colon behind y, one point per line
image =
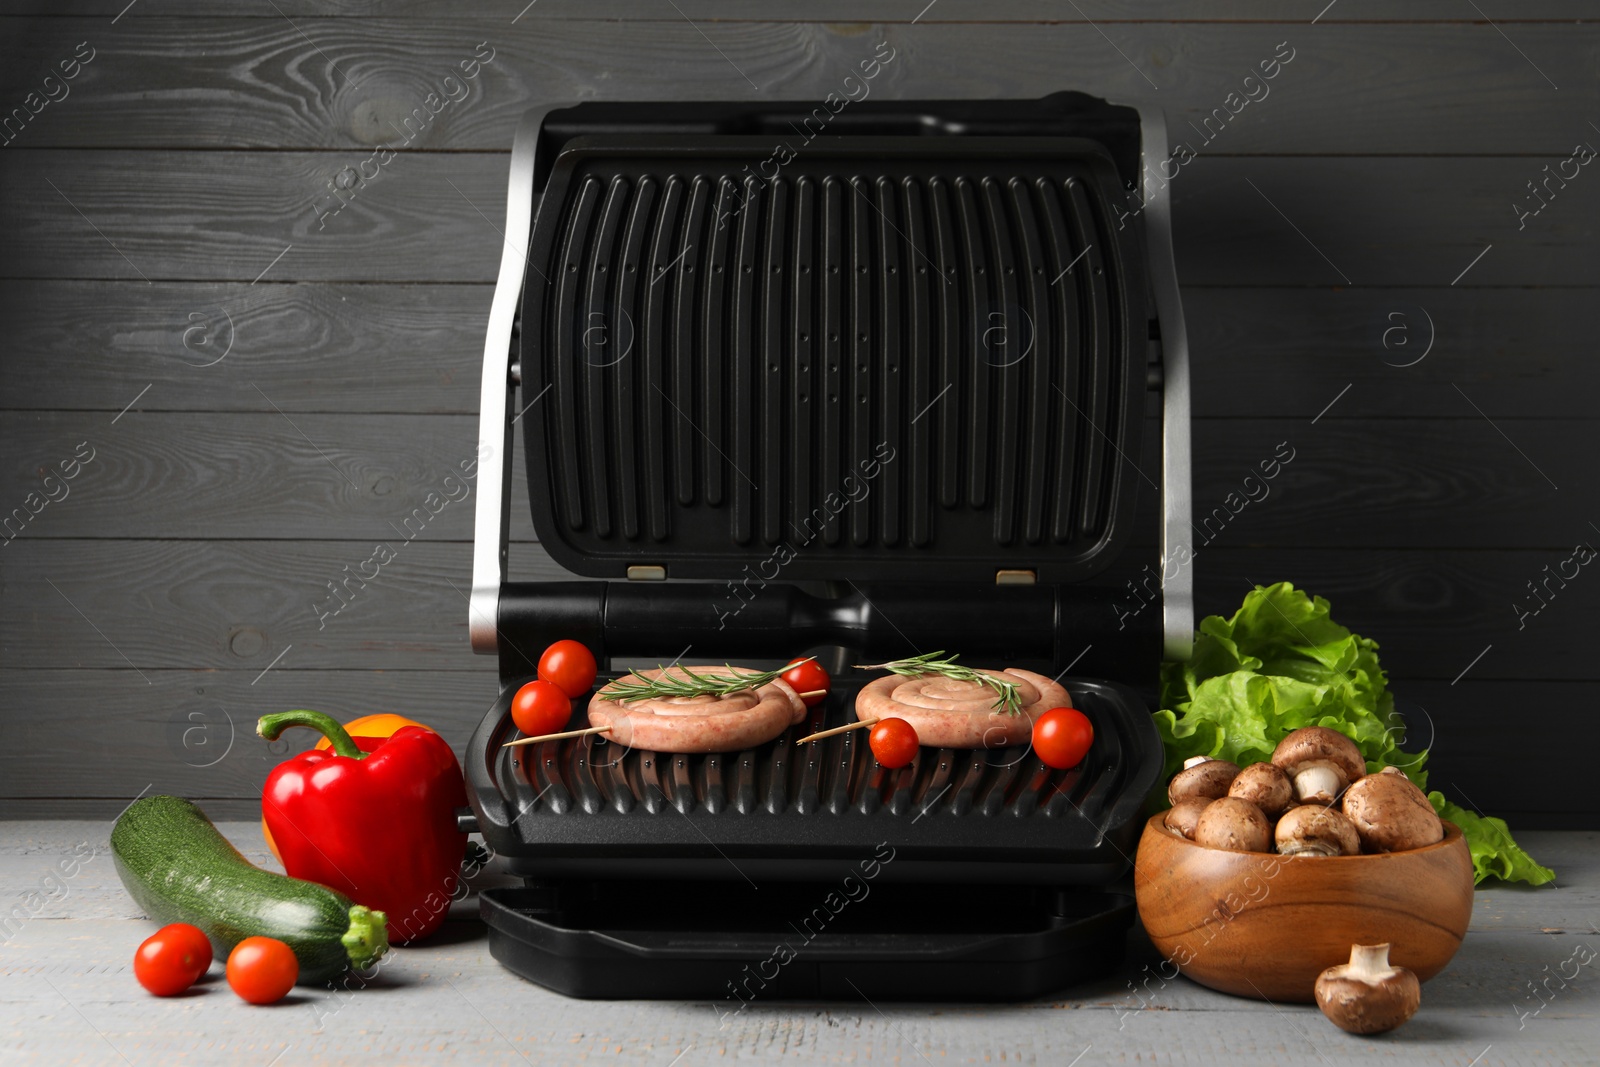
x: 1008, y: 699
x: 634, y: 688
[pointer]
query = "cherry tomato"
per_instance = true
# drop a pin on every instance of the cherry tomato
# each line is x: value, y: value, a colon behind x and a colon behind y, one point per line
x: 808, y: 677
x: 169, y: 960
x: 1062, y: 736
x: 570, y: 666
x: 541, y: 708
x: 262, y: 969
x: 894, y: 742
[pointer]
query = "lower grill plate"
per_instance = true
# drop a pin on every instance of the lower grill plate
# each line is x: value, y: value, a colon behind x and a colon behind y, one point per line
x: 586, y: 808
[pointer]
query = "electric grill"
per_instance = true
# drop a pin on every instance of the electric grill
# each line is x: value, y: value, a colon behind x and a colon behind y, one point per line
x: 863, y: 384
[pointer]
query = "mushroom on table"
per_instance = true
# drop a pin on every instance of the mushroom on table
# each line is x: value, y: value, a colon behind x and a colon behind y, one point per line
x: 1368, y: 995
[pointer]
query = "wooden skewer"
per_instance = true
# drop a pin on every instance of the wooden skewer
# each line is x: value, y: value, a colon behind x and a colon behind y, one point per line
x: 837, y: 730
x: 813, y: 693
x: 557, y: 737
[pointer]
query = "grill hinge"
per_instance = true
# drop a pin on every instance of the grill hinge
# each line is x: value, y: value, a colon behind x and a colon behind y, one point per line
x: 1153, y: 375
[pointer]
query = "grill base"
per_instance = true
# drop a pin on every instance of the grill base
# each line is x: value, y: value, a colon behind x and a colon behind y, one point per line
x: 842, y: 940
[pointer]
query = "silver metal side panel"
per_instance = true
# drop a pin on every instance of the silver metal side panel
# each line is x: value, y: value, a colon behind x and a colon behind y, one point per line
x: 491, y: 527
x: 1177, y: 547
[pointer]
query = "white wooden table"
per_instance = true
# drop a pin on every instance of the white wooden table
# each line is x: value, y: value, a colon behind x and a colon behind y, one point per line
x: 68, y: 996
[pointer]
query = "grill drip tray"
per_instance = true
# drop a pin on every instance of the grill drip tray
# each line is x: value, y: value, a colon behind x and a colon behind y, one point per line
x: 849, y: 940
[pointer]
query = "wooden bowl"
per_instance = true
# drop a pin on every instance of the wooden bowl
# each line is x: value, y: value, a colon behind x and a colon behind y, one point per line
x: 1261, y: 925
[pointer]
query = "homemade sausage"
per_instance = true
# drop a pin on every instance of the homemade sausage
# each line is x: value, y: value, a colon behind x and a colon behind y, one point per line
x: 948, y: 713
x: 700, y: 723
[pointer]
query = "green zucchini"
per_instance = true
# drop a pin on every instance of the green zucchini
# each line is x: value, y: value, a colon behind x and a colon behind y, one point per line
x: 179, y: 868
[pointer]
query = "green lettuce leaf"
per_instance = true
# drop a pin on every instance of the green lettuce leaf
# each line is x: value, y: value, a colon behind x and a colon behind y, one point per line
x: 1281, y: 663
x: 1494, y: 854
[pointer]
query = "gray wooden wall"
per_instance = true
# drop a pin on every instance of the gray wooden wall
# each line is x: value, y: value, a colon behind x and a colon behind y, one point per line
x: 264, y: 387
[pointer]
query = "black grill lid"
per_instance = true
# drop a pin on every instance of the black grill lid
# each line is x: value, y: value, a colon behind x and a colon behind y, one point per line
x: 958, y: 431
x: 899, y: 357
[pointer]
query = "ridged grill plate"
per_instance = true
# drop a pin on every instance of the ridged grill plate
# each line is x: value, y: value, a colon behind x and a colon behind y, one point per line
x: 586, y: 806
x: 877, y: 360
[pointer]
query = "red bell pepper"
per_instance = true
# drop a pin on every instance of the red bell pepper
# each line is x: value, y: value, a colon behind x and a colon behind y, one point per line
x: 378, y: 826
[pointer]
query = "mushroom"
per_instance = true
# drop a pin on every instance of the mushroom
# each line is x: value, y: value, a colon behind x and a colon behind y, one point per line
x: 1390, y: 813
x: 1233, y: 825
x: 1321, y: 763
x: 1184, y: 816
x: 1310, y: 830
x: 1264, y: 785
x: 1368, y: 995
x: 1202, y: 778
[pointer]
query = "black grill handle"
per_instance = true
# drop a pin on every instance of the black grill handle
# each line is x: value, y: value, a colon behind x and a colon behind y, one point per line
x: 1090, y: 630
